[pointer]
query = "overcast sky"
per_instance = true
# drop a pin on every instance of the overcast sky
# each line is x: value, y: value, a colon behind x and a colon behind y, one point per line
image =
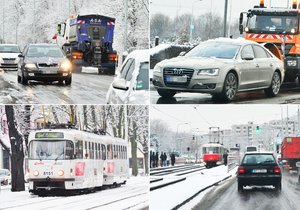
x: 174, y: 7
x: 223, y: 116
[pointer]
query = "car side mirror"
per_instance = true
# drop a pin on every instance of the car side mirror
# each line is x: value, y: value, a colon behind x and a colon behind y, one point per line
x: 120, y: 84
x: 20, y: 56
x: 248, y: 57
x: 182, y: 53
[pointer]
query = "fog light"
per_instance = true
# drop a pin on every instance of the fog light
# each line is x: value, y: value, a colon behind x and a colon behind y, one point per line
x: 65, y: 74
x: 31, y: 74
x: 35, y: 173
x: 60, y: 173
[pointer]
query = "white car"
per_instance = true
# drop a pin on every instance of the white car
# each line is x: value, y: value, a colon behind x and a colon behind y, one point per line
x: 5, y: 177
x: 9, y: 56
x: 131, y: 86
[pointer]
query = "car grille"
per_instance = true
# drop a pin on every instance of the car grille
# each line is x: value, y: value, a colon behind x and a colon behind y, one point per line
x: 177, y: 72
x: 45, y: 65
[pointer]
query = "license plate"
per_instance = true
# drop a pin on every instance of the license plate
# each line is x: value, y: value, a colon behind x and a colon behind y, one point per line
x: 48, y: 173
x: 49, y: 72
x: 259, y: 171
x: 178, y: 79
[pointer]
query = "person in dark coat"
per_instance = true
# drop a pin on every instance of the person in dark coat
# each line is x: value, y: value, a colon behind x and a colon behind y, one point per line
x: 172, y: 159
x: 152, y: 156
x: 156, y: 159
x: 225, y: 157
x: 162, y: 157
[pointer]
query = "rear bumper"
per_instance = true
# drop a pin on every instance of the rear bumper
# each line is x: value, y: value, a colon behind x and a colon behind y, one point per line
x: 259, y: 179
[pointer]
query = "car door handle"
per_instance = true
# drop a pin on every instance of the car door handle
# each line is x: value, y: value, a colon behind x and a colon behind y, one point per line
x: 271, y: 65
x: 257, y: 65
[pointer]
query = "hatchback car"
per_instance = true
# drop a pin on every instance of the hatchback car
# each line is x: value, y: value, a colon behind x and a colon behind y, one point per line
x: 131, y: 86
x: 44, y: 62
x: 9, y: 56
x: 5, y: 177
x: 259, y: 169
x: 221, y: 67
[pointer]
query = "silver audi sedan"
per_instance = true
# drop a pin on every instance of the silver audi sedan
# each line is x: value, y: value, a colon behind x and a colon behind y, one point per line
x: 221, y: 67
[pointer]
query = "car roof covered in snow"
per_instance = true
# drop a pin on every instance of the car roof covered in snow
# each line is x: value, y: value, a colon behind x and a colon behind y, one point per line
x: 140, y: 55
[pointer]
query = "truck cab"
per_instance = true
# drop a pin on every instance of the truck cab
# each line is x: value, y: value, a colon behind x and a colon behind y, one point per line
x: 87, y: 40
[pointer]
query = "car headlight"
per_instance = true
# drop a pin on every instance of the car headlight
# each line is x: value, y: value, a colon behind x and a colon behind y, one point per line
x: 66, y: 65
x: 30, y: 66
x: 210, y: 72
x: 157, y: 69
x: 291, y: 62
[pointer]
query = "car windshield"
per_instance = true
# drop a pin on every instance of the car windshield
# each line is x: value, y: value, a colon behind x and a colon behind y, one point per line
x: 44, y: 51
x: 214, y: 49
x: 210, y: 150
x: 259, y: 159
x: 51, y: 150
x: 143, y: 77
x: 269, y: 23
x: 9, y: 49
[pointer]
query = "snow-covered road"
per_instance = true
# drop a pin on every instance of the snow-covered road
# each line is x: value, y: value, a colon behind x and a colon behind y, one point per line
x: 133, y: 195
x: 86, y: 88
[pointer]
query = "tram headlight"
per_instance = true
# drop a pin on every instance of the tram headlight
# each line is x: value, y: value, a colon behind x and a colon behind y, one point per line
x: 60, y: 173
x: 35, y: 173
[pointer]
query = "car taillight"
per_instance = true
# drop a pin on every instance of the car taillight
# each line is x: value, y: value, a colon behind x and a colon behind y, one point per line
x: 241, y: 170
x: 277, y: 169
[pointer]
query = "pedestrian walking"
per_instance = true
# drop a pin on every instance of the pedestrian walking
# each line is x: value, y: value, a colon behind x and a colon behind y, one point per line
x: 225, y: 157
x: 172, y: 159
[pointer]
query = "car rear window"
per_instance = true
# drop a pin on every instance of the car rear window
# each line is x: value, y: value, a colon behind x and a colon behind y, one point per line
x: 258, y: 159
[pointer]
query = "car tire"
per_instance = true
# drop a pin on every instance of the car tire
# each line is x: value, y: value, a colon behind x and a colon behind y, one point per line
x: 230, y: 87
x: 278, y: 186
x: 19, y: 79
x: 240, y: 187
x: 274, y: 88
x: 166, y: 93
x: 68, y: 81
x: 24, y: 80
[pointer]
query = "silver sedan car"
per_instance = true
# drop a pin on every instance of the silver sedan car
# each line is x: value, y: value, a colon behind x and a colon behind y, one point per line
x: 221, y: 67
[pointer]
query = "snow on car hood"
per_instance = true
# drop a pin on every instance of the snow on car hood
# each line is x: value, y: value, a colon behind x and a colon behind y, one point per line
x: 9, y: 55
x: 194, y: 62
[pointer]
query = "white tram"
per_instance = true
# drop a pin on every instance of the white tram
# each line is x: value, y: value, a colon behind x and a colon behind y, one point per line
x: 68, y: 159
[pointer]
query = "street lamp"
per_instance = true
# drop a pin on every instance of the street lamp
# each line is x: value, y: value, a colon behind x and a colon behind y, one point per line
x: 225, y: 18
x: 192, y: 22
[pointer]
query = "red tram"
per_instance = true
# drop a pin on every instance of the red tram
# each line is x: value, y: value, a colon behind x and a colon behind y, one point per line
x: 212, y: 154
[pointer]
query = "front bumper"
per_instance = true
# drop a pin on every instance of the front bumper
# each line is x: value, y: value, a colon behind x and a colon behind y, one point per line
x: 46, y: 74
x: 203, y: 84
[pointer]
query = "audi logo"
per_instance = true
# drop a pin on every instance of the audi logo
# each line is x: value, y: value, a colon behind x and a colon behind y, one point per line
x: 178, y: 71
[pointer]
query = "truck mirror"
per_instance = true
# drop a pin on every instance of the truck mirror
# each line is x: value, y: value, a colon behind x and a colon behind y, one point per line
x: 241, y: 28
x: 59, y: 28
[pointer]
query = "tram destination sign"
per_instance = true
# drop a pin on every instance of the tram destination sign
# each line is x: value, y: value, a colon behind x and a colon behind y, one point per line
x: 49, y: 135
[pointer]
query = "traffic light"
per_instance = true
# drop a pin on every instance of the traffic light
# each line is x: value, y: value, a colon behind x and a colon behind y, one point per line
x: 257, y: 130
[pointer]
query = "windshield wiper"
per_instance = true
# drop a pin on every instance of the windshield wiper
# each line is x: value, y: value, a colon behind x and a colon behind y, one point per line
x: 58, y: 156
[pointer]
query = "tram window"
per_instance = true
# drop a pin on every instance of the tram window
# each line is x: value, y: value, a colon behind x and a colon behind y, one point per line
x: 69, y: 150
x: 109, y: 152
x: 103, y: 152
x: 114, y: 152
x: 79, y: 149
x: 92, y: 150
x: 85, y: 149
x: 99, y: 152
x: 119, y: 152
x: 96, y: 151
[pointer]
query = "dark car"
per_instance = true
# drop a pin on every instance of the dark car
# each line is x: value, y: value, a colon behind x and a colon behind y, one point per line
x: 259, y: 168
x: 44, y: 62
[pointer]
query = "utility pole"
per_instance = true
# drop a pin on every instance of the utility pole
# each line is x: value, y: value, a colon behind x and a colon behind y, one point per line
x: 225, y: 18
x: 69, y: 8
x: 126, y: 25
x: 3, y: 21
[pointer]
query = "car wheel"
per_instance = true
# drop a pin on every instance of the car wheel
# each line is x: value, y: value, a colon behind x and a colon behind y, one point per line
x: 24, y: 80
x: 166, y: 93
x: 273, y: 90
x: 230, y: 87
x: 278, y: 186
x: 68, y: 81
x: 240, y: 187
x: 19, y: 79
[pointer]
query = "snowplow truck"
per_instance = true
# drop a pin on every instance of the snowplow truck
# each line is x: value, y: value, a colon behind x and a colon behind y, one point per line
x: 278, y: 29
x: 290, y: 152
x: 87, y: 40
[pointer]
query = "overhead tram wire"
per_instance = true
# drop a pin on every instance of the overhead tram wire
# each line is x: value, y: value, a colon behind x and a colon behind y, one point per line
x: 167, y: 114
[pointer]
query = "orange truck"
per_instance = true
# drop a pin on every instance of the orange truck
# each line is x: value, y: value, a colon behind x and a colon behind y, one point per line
x: 278, y: 28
